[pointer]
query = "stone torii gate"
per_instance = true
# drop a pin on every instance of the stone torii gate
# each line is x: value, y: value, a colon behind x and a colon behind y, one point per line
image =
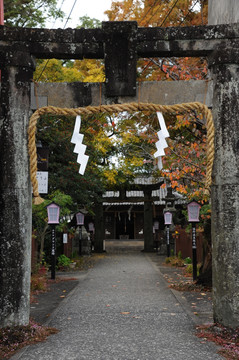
x: 120, y: 44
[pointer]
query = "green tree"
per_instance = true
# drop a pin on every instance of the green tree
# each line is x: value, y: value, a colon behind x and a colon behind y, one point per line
x: 88, y: 23
x: 30, y: 13
x: 56, y: 132
x: 54, y: 70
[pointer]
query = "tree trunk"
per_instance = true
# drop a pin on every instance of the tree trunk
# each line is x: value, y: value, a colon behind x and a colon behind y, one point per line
x: 42, y: 241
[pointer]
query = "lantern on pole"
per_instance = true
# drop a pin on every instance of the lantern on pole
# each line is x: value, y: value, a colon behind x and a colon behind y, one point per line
x: 193, y: 217
x: 53, y: 213
x: 79, y: 222
x: 193, y: 211
x: 80, y: 218
x: 168, y: 218
x: 168, y: 221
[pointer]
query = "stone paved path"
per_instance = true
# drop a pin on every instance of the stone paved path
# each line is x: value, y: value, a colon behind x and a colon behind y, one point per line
x: 122, y: 310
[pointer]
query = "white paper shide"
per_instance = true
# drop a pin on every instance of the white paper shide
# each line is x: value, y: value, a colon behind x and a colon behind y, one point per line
x: 162, y: 143
x: 80, y: 148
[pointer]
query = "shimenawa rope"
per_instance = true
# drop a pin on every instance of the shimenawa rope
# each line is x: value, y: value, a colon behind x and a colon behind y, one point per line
x: 130, y: 107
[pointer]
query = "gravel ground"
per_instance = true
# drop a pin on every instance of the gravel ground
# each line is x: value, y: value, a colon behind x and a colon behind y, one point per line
x: 123, y: 309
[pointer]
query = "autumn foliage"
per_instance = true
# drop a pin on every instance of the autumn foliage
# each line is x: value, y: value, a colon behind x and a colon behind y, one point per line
x: 121, y: 146
x: 185, y: 161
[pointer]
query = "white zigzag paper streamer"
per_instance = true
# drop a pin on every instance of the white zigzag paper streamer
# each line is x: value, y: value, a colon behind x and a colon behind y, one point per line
x: 162, y: 143
x: 79, y: 148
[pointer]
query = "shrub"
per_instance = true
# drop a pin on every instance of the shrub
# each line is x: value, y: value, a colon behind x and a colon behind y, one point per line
x: 63, y: 261
x: 38, y: 282
x: 174, y: 261
x: 177, y: 262
x: 188, y: 260
x: 189, y: 269
x: 167, y: 260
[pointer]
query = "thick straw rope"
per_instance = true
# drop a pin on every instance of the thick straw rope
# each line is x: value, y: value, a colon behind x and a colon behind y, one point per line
x: 130, y: 107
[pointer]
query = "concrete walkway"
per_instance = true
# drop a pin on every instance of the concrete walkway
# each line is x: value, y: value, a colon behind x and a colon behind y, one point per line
x: 121, y: 310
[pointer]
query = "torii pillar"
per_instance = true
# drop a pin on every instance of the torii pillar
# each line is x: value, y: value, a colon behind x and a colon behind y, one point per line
x: 148, y: 221
x: 15, y: 190
x: 224, y: 65
x: 225, y: 188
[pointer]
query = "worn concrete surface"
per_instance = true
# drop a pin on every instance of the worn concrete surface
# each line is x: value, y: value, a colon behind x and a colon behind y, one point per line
x: 78, y: 94
x: 223, y: 12
x: 122, y: 309
x: 44, y: 304
x: 15, y: 192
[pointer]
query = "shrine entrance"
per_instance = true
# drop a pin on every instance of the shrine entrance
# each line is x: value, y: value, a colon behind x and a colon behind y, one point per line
x: 18, y: 49
x: 124, y: 227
